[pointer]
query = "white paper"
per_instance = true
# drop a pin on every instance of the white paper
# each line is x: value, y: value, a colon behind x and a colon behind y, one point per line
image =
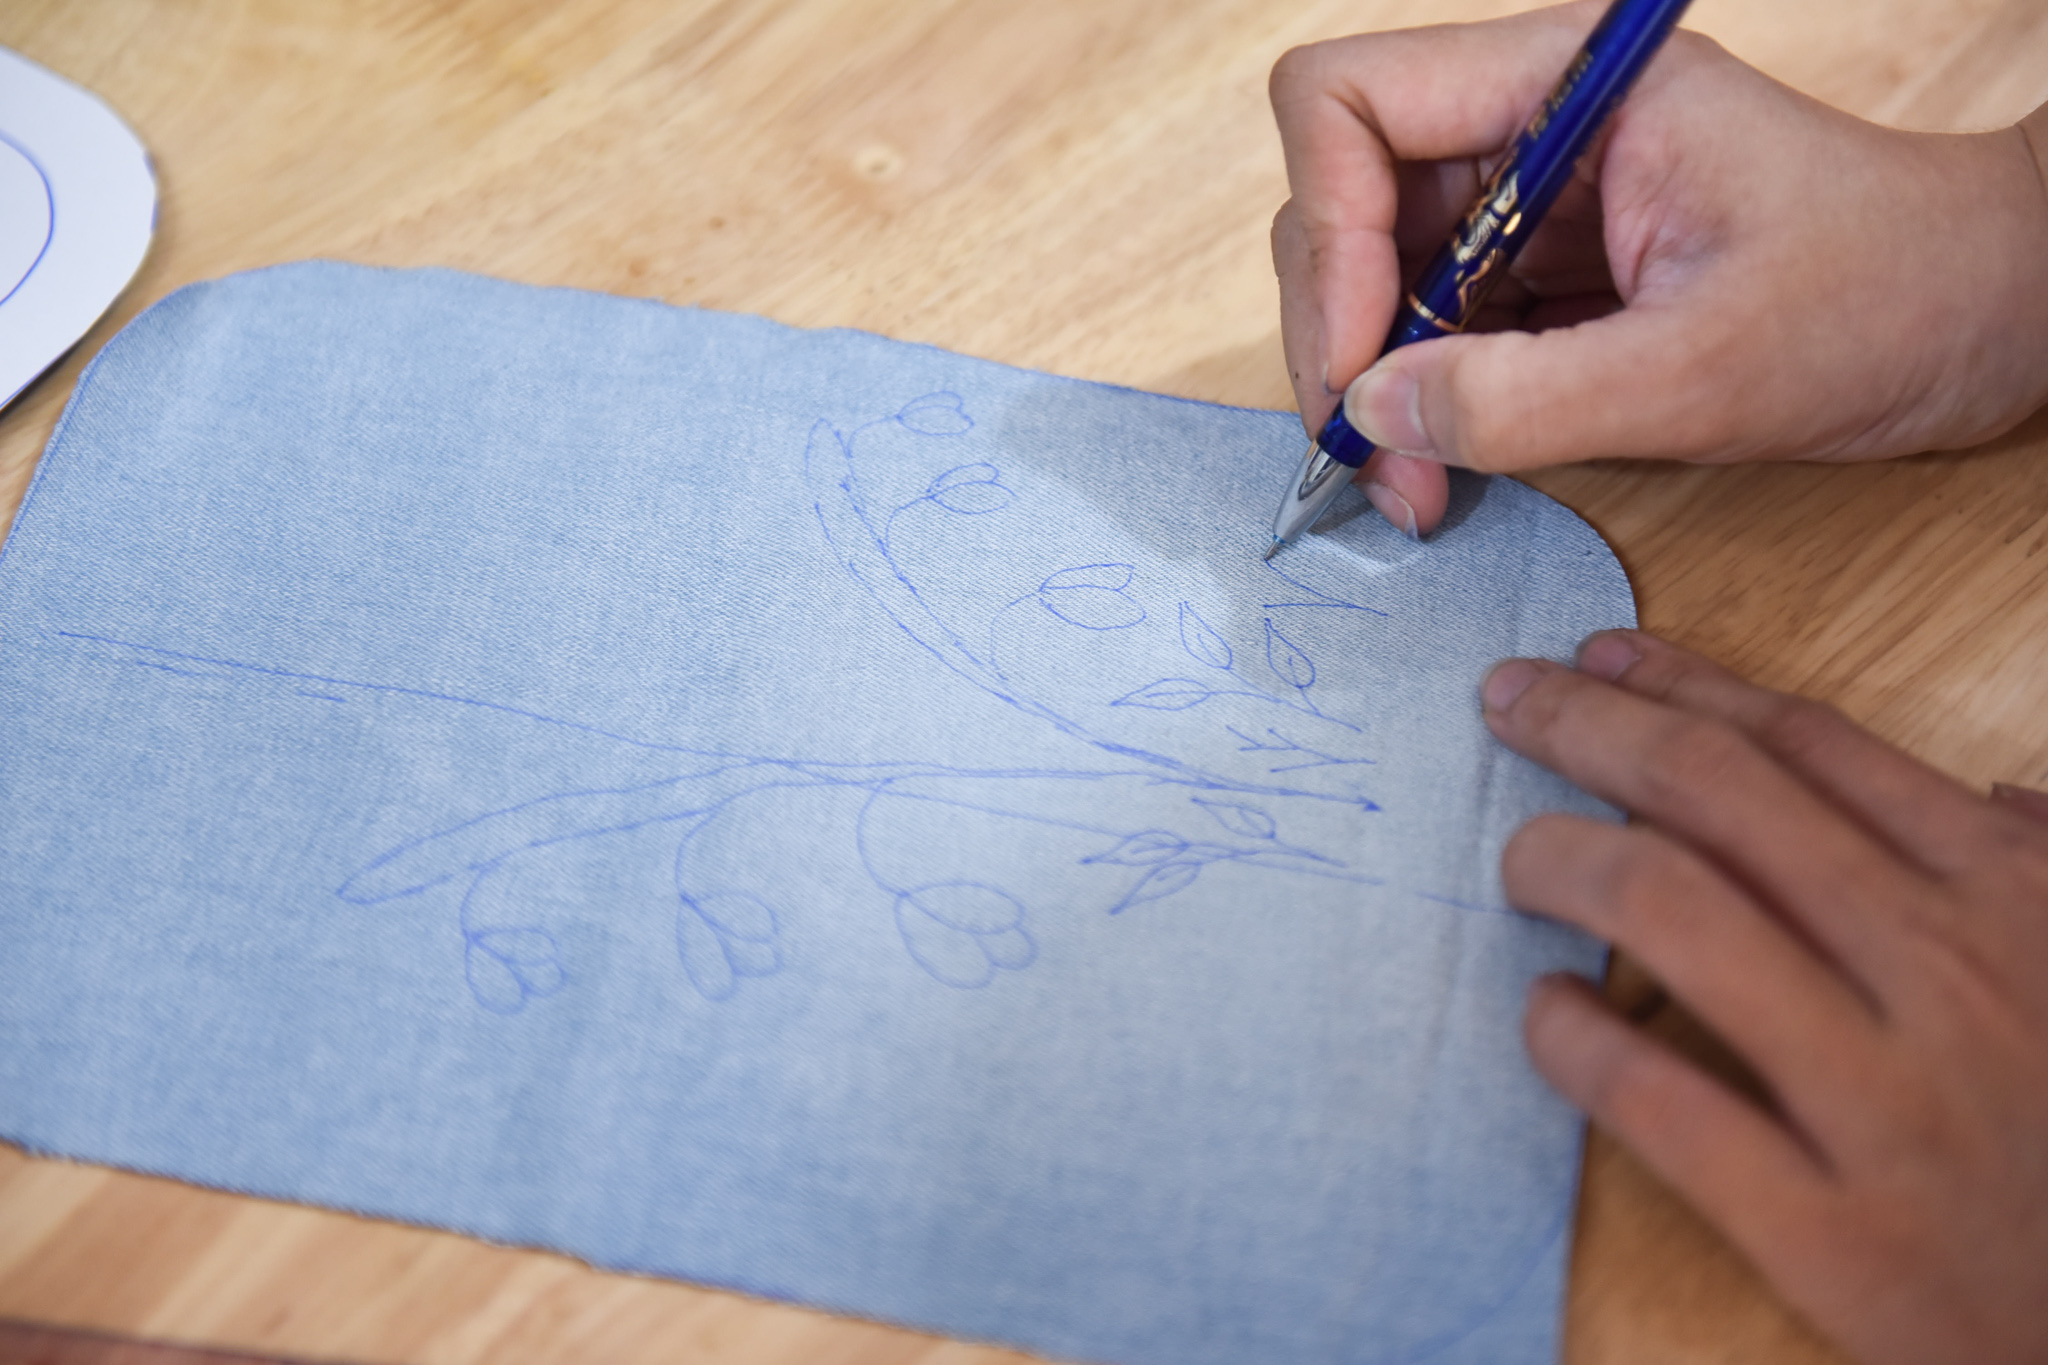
x: 77, y: 207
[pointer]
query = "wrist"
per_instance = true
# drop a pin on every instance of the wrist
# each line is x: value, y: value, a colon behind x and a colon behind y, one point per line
x: 2031, y: 250
x: 1994, y: 339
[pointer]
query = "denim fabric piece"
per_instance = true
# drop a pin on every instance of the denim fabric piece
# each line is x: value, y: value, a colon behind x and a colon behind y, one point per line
x: 788, y: 810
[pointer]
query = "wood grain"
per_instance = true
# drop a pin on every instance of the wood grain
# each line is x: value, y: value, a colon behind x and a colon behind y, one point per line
x: 1069, y: 184
x: 27, y: 1344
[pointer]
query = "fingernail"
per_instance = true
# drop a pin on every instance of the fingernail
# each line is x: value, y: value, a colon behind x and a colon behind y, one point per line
x: 1385, y: 405
x: 1393, y: 507
x: 1608, y: 656
x: 1507, y: 680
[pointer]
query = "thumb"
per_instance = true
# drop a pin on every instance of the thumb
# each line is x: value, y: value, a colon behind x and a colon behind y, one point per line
x: 1644, y: 383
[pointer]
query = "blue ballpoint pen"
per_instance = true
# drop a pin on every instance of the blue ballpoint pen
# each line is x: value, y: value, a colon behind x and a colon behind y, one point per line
x: 1493, y: 232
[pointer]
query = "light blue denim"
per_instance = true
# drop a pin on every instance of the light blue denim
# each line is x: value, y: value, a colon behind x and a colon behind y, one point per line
x: 788, y: 810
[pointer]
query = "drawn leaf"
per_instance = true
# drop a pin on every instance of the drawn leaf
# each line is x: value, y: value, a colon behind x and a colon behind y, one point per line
x: 1292, y: 666
x: 1012, y: 950
x: 1249, y: 821
x: 1092, y: 596
x: 1159, y: 883
x: 969, y: 906
x: 507, y: 967
x: 936, y: 414
x: 1143, y: 850
x: 949, y: 956
x: 492, y: 981
x: 974, y: 499
x: 1111, y: 577
x: 959, y: 474
x: 739, y: 915
x: 525, y: 947
x: 1199, y: 640
x: 1168, y: 694
x: 752, y: 959
x: 1093, y: 608
x: 703, y: 954
x: 970, y: 489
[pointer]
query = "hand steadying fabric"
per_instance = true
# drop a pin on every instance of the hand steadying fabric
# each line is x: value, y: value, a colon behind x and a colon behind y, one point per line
x: 1740, y: 273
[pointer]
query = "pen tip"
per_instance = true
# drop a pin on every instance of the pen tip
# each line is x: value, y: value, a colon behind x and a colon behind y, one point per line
x: 1271, y: 550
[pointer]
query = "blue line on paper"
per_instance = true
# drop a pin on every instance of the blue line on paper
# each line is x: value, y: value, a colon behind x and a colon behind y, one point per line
x: 49, y: 229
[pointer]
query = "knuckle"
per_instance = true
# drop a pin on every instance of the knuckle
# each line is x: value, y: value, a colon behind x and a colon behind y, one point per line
x: 1969, y: 991
x: 1293, y: 71
x: 1531, y: 857
x: 1695, y: 46
x: 1686, y: 756
x: 1639, y: 880
x: 1548, y: 703
x: 2020, y: 842
x: 1490, y: 430
x: 1919, y: 1122
x: 1633, y: 1092
x: 1545, y: 831
x: 1480, y: 437
x: 1289, y: 238
x: 1649, y: 891
x: 1797, y: 727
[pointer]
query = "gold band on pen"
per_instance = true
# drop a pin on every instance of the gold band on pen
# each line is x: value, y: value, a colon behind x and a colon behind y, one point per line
x: 1422, y: 311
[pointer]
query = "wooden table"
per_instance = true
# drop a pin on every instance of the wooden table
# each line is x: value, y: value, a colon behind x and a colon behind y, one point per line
x: 1079, y: 185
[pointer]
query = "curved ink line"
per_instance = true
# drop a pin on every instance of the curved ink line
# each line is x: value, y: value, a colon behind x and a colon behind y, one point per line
x: 923, y: 400
x: 371, y: 883
x: 994, y: 621
x: 1130, y: 571
x: 1204, y: 632
x: 893, y: 591
x: 1290, y: 653
x: 1047, y: 600
x: 1327, y: 600
x: 1273, y: 851
x: 908, y: 897
x: 552, y: 819
x: 893, y: 584
x: 49, y: 200
x: 1300, y: 702
x: 889, y: 523
x: 1444, y: 1340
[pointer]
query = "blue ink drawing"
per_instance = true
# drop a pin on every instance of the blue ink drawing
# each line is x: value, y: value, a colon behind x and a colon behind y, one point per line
x: 1236, y: 765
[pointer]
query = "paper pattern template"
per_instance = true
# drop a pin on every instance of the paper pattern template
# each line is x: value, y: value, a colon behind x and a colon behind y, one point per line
x: 787, y: 810
x: 77, y: 209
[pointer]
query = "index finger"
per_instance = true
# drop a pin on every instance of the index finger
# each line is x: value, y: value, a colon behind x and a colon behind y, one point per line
x: 1702, y: 780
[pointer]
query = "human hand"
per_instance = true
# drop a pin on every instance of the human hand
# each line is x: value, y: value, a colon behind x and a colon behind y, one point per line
x: 1870, y: 936
x: 1738, y: 272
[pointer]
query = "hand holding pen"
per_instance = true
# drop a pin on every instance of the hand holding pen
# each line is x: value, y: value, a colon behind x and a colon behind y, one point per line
x: 1737, y: 272
x: 1766, y: 277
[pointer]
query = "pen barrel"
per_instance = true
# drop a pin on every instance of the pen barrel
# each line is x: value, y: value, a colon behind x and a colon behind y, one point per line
x: 1537, y: 167
x: 1523, y: 186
